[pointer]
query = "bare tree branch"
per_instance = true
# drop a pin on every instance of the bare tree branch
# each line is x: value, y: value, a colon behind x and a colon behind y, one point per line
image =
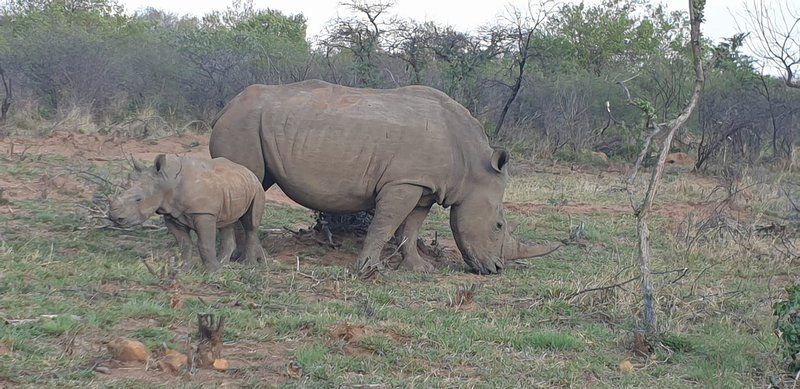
x: 777, y: 30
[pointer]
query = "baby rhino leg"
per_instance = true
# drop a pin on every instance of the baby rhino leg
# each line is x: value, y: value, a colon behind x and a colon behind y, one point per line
x: 206, y: 228
x: 228, y: 243
x: 251, y: 220
x: 181, y: 234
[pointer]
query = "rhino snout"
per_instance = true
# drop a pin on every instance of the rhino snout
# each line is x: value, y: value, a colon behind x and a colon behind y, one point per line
x: 488, y: 266
x: 118, y: 220
x: 116, y: 215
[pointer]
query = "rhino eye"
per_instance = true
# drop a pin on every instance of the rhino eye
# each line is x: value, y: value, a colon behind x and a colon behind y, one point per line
x: 137, y: 199
x: 498, y: 226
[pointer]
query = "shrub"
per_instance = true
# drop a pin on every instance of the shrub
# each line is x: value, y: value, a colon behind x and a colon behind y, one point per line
x: 787, y: 326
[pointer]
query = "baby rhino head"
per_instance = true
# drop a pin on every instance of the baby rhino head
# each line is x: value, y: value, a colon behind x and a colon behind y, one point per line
x: 145, y: 193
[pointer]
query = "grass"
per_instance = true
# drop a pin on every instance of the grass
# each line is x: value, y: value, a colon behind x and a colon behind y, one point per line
x: 523, y: 328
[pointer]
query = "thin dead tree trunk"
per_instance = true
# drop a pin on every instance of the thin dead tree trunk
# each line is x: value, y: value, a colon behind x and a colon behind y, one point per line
x: 524, y: 28
x: 514, y: 91
x: 7, y: 98
x: 643, y: 210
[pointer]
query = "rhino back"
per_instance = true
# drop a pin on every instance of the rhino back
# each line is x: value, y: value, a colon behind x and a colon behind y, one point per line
x: 217, y: 187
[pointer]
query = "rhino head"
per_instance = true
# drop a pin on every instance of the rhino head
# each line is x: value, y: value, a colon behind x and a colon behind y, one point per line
x: 147, y: 189
x: 479, y: 226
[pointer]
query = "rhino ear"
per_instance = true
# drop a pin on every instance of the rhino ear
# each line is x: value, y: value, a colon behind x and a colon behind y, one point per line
x: 499, y: 159
x: 161, y: 163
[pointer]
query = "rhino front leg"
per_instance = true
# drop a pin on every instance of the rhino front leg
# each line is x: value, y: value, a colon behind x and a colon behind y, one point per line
x: 408, y: 233
x: 206, y: 228
x: 181, y: 234
x: 393, y: 205
x: 228, y: 243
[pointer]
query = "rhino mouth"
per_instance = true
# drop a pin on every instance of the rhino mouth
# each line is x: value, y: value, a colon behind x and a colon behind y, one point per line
x: 123, y: 221
x: 490, y: 266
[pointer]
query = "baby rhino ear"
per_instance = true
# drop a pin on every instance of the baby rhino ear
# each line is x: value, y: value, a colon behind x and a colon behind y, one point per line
x: 161, y: 163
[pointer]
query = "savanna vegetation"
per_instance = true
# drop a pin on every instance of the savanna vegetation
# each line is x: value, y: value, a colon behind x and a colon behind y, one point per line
x: 545, y: 78
x: 572, y: 89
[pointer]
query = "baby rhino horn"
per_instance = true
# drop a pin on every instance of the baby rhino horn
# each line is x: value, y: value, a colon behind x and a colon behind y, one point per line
x: 138, y: 165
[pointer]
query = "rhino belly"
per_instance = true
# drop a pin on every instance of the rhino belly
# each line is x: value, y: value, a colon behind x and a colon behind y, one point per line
x: 331, y: 198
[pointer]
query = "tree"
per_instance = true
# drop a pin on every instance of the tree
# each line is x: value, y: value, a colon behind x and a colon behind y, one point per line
x: 462, y: 59
x: 642, y: 211
x: 522, y: 29
x: 361, y: 35
x: 776, y: 27
x: 239, y: 47
x: 615, y: 35
x: 65, y: 51
x: 410, y: 42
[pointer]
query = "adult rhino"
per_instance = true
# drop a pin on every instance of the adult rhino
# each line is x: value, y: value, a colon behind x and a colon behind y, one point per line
x: 338, y: 149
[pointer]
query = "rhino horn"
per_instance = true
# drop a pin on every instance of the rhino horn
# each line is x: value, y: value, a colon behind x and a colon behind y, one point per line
x: 519, y: 250
x: 138, y: 165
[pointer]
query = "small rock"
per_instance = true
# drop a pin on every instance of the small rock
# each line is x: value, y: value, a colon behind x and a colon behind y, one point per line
x: 221, y: 364
x: 102, y: 369
x: 127, y: 350
x: 626, y: 367
x: 173, y: 361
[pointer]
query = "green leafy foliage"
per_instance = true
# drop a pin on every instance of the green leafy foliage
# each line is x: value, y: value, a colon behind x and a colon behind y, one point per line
x: 787, y: 326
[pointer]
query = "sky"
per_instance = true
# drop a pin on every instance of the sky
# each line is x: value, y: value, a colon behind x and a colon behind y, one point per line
x: 462, y: 14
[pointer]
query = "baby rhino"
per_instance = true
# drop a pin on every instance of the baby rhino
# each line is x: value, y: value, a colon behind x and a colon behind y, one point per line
x: 196, y: 195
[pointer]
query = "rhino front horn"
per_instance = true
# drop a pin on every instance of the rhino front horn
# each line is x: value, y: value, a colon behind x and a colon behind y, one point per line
x: 520, y: 250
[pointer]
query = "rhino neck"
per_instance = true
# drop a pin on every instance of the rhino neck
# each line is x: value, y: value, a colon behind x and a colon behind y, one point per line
x: 470, y: 161
x: 168, y: 203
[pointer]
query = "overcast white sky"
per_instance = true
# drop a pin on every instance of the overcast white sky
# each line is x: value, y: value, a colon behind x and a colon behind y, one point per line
x: 463, y: 14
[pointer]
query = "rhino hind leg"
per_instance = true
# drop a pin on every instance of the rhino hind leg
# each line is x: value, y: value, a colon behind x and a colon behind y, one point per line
x: 239, y: 229
x: 250, y: 222
x: 394, y: 204
x: 407, y: 235
x: 228, y: 241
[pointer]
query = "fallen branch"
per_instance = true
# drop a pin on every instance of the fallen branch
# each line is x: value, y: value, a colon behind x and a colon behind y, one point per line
x: 683, y: 272
x: 17, y: 322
